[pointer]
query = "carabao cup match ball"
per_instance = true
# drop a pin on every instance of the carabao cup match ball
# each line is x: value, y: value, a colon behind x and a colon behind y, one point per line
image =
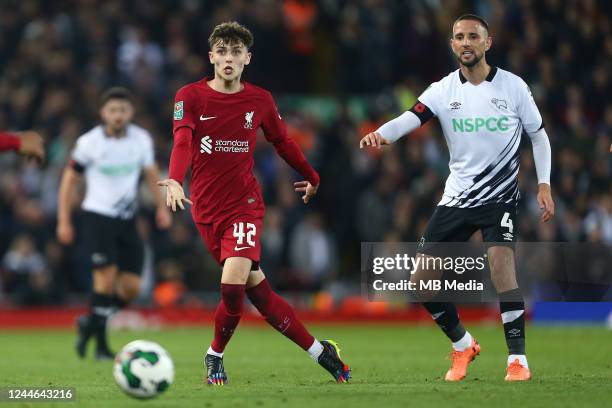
x: 143, y: 369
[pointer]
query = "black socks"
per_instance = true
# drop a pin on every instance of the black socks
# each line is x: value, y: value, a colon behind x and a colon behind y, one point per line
x: 512, y: 308
x: 445, y: 315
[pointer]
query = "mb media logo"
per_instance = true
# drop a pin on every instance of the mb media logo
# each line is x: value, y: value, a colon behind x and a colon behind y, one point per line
x: 206, y: 145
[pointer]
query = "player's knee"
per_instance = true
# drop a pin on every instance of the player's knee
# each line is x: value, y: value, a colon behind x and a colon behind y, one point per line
x: 255, y: 278
x: 260, y: 294
x: 128, y: 286
x: 236, y: 270
x: 131, y: 291
x: 104, y: 279
x: 501, y: 261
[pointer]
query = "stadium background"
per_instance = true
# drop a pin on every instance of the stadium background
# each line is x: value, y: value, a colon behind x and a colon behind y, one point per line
x: 338, y: 70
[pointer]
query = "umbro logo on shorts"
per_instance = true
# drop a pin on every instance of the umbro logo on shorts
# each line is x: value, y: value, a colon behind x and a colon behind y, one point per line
x: 98, y: 258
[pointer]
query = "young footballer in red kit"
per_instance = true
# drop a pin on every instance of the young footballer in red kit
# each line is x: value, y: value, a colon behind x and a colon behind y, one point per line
x: 215, y: 126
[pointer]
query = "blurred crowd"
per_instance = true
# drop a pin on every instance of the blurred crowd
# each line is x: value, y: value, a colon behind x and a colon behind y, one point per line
x: 339, y: 69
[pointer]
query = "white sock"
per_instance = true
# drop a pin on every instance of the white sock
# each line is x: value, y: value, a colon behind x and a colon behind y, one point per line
x: 214, y: 353
x: 464, y: 342
x: 520, y: 357
x: 315, y: 350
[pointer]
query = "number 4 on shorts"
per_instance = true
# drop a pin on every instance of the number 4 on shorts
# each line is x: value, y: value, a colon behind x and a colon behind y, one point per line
x: 507, y: 222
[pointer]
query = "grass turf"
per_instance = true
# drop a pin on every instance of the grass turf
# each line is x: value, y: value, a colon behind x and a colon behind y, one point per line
x: 392, y: 366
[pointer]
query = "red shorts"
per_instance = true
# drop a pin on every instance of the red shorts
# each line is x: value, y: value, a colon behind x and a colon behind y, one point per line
x: 237, y: 239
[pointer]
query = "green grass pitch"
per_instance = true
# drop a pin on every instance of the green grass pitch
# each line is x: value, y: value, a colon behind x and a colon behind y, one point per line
x: 393, y: 366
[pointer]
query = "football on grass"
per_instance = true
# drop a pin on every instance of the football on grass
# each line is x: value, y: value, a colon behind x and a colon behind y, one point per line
x: 143, y: 369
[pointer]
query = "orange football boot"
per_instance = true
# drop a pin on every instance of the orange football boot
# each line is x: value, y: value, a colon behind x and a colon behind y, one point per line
x: 460, y: 361
x: 517, y: 372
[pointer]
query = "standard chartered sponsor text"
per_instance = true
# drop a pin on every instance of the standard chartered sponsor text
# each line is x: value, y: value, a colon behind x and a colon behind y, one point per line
x: 232, y: 146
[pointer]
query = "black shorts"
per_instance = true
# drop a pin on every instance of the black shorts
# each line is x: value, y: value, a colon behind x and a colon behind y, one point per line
x: 112, y: 241
x: 449, y: 224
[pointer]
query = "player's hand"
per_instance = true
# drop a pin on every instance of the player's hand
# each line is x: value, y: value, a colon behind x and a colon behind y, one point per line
x: 373, y: 139
x: 163, y: 219
x: 308, y: 189
x: 174, y: 194
x: 545, y: 202
x: 65, y: 233
x: 32, y: 145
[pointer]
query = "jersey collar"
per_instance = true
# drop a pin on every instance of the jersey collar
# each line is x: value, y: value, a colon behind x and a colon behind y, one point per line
x: 489, y: 77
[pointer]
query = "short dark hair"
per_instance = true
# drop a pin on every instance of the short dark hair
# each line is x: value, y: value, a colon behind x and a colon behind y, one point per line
x: 231, y: 32
x: 116, y: 92
x: 473, y: 17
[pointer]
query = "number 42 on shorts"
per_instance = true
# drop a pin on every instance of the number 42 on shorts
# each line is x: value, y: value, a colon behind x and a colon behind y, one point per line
x: 240, y: 234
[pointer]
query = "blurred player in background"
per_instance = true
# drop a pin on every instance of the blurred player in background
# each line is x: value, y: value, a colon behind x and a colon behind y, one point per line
x: 483, y: 111
x: 215, y: 127
x: 28, y: 144
x: 111, y: 157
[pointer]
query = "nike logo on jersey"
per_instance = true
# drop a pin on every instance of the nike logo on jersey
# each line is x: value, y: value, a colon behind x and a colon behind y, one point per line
x: 202, y: 117
x: 236, y: 248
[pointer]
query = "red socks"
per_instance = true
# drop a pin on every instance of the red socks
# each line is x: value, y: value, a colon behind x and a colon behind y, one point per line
x: 272, y: 307
x: 279, y: 314
x: 227, y: 315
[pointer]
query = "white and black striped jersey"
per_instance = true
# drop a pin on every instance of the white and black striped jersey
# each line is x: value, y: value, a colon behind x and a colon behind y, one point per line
x: 482, y: 125
x: 112, y: 168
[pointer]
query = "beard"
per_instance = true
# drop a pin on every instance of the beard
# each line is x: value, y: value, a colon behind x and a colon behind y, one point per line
x: 118, y: 130
x: 471, y: 63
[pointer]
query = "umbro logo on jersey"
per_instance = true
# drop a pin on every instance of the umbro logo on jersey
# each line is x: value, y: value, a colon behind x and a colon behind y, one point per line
x: 499, y: 103
x: 206, y: 145
x: 248, y: 120
x: 507, y: 236
x: 455, y: 105
x: 202, y: 117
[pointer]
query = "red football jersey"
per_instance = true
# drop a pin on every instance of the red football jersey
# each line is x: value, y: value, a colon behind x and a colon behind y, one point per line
x: 224, y: 135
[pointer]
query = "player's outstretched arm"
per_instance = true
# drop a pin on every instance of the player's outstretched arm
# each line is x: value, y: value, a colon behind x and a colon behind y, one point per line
x: 308, y: 189
x: 275, y: 132
x: 28, y: 144
x: 174, y: 194
x: 32, y: 145
x: 373, y: 139
x: 179, y: 162
x: 398, y: 127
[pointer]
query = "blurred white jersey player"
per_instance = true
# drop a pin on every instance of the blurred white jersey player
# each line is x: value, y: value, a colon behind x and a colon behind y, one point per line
x: 112, y: 156
x: 483, y: 111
